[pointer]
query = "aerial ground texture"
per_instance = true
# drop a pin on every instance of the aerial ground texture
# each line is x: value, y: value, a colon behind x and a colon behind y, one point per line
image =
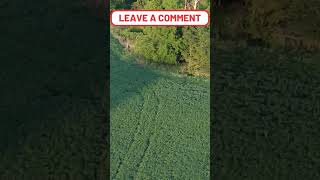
x: 159, y: 122
x: 266, y: 115
x: 266, y: 107
x: 52, y: 125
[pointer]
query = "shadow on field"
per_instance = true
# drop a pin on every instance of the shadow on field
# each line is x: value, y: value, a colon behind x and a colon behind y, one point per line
x: 127, y: 78
x: 266, y: 117
x: 53, y: 72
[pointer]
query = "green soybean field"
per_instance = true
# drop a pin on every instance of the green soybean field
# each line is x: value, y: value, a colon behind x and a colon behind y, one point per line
x: 159, y: 122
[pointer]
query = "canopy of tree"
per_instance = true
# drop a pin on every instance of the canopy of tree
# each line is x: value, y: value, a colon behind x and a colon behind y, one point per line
x: 169, y: 45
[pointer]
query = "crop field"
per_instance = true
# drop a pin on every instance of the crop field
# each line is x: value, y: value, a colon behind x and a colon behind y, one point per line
x: 266, y: 123
x: 159, y: 122
x: 52, y: 125
x: 265, y: 107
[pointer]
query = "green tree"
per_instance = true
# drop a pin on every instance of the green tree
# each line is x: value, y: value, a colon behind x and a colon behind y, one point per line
x: 197, y: 48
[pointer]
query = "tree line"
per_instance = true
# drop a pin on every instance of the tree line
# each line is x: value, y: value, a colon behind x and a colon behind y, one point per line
x: 278, y: 23
x: 188, y: 47
x: 275, y: 23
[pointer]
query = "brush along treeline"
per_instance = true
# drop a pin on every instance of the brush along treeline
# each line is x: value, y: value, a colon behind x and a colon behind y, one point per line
x: 279, y: 23
x: 188, y: 47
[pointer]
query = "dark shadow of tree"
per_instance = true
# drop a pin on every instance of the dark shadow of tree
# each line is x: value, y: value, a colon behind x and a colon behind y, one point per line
x: 127, y: 78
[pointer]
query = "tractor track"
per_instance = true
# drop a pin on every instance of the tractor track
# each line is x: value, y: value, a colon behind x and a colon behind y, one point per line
x: 152, y: 132
x: 134, y: 137
x: 139, y: 128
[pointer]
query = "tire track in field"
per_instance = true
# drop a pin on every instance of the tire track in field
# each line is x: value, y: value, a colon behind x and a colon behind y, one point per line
x: 154, y: 119
x: 134, y: 136
x: 148, y: 125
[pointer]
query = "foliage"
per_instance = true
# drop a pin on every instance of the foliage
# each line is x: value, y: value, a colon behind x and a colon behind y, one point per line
x: 170, y: 45
x: 288, y: 23
x: 121, y: 4
x: 53, y: 125
x: 266, y: 115
x: 159, y: 44
x: 197, y: 51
